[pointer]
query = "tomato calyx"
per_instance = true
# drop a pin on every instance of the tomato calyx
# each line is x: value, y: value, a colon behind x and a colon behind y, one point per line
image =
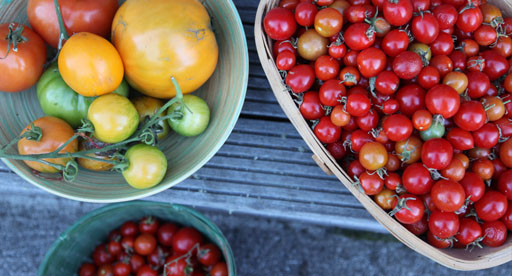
x: 14, y: 37
x: 478, y: 63
x: 401, y: 204
x: 470, y: 5
x: 472, y: 213
x: 502, y: 138
x: 451, y: 240
x: 357, y: 183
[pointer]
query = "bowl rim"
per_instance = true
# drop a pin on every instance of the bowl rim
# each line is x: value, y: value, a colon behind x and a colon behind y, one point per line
x: 162, y: 187
x: 141, y: 204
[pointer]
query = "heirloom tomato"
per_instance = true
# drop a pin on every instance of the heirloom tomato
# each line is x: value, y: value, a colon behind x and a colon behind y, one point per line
x: 147, y: 168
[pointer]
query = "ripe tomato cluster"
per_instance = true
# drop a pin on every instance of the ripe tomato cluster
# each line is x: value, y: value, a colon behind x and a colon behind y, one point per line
x: 151, y: 247
x: 413, y: 98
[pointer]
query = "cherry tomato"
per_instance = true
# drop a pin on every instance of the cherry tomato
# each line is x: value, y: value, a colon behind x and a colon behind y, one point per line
x: 147, y: 166
x: 177, y: 266
x: 437, y: 153
x: 208, y: 254
x: 114, y: 247
x: 311, y: 45
x: 349, y: 76
x: 442, y: 99
x: 492, y: 206
x: 358, y: 139
x: 487, y: 136
x: 418, y: 228
x: 326, y: 68
x: 369, y: 121
x: 407, y: 65
x: 478, y: 84
x: 371, y: 183
x: 398, y: 13
x: 311, y: 108
x: 448, y: 195
x: 496, y: 65
x: 442, y: 45
x: 358, y: 105
x: 185, y: 239
x: 328, y: 22
x: 395, y: 42
x: 373, y: 156
x: 506, y: 153
x: 305, y: 13
x: 371, y: 62
x: 101, y: 255
x: 416, y: 179
x: 414, y: 211
x: 485, y: 35
x: 459, y: 60
x: 474, y: 186
x: 337, y: 50
x: 279, y: 23
x: 220, y: 269
x: 470, y: 18
x: 105, y: 270
x: 507, y: 218
x: 87, y: 269
x: 504, y: 46
x: 145, y: 244
x: 429, y: 76
x: 495, y: 233
x: 397, y: 127
x: 358, y: 36
x: 456, y: 80
x: 470, y: 116
x: 425, y: 28
x: 386, y: 199
x: 121, y: 269
x: 283, y: 46
x: 460, y: 139
x: 438, y: 242
x: 339, y: 117
x: 443, y: 63
x: 390, y: 106
x: 392, y: 181
x: 409, y: 150
x: 387, y: 83
x: 355, y: 169
x: 469, y: 231
x: 446, y: 16
x: 455, y: 171
x: 146, y: 270
x: 337, y: 150
x: 422, y: 119
x: 484, y: 168
x: 136, y: 262
x: 443, y: 224
x: 285, y: 60
x: 300, y: 78
x: 148, y: 225
x: 505, y: 184
x: 326, y: 131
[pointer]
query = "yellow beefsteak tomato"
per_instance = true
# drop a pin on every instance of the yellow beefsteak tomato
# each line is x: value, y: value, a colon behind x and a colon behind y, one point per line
x: 90, y: 65
x: 158, y: 39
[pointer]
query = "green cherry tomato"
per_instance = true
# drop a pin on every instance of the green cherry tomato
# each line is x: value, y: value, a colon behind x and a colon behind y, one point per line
x: 191, y: 120
x: 147, y: 168
x: 147, y: 107
x: 59, y: 100
x: 114, y: 118
x: 436, y: 130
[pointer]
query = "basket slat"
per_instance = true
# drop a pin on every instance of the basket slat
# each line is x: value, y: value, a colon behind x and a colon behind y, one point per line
x: 454, y: 258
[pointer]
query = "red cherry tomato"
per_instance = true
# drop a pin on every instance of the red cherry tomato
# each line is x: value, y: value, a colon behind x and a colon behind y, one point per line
x: 460, y: 139
x: 372, y: 184
x: 429, y: 76
x: 285, y: 60
x: 185, y: 239
x: 471, y: 116
x: 279, y: 23
x: 437, y: 153
x: 492, y: 206
x: 443, y: 45
x: 326, y: 68
x: 487, y: 136
x: 425, y: 28
x: 371, y: 62
x: 495, y: 233
x: 448, y: 195
x: 305, y: 13
x: 469, y: 231
x: 470, y: 18
x: 398, y: 12
x: 397, y: 127
x: 442, y: 99
x: 395, y: 42
x: 446, y: 16
x: 300, y: 78
x: 443, y: 224
x: 416, y: 179
x: 357, y: 36
x: 414, y: 211
x: 407, y: 65
x: 387, y: 82
x: 326, y: 131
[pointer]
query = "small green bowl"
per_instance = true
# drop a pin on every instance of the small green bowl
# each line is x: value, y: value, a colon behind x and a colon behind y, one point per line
x: 224, y: 92
x: 76, y: 244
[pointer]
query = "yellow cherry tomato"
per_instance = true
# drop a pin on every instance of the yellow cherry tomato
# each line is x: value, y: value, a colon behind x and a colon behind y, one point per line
x: 160, y: 39
x: 147, y: 168
x: 114, y: 118
x: 90, y: 65
x: 147, y: 107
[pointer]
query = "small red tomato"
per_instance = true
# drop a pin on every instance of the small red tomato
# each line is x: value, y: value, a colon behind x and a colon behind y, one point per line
x: 87, y: 269
x: 121, y: 269
x: 305, y: 13
x: 470, y: 18
x: 446, y: 16
x: 437, y: 153
x: 505, y: 184
x: 285, y: 60
x: 166, y: 232
x: 407, y: 65
x: 398, y: 12
x: 442, y: 99
x: 101, y: 255
x: 326, y: 131
x: 460, y: 139
x: 410, y: 209
x: 395, y: 42
x: 492, y: 206
x: 416, y: 179
x: 371, y: 62
x: 471, y: 116
x: 469, y: 231
x: 448, y: 195
x: 429, y: 76
x: 311, y: 108
x: 220, y: 269
x: 279, y: 23
x: 397, y: 127
x: 208, y: 254
x: 300, y: 78
x: 331, y: 91
x: 387, y: 82
x: 495, y: 233
x: 425, y: 28
x: 443, y: 224
x: 148, y: 225
x: 326, y: 68
x: 185, y: 239
x: 129, y: 229
x: 145, y: 244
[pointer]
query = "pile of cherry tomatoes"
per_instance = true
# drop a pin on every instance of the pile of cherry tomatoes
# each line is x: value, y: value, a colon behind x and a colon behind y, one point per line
x: 413, y: 98
x: 151, y: 247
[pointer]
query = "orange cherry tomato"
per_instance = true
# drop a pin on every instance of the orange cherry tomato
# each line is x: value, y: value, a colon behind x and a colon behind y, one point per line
x: 373, y: 156
x: 409, y: 150
x: 386, y: 199
x: 422, y: 119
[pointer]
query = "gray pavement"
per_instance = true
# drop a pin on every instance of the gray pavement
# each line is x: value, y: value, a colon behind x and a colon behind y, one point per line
x: 262, y: 246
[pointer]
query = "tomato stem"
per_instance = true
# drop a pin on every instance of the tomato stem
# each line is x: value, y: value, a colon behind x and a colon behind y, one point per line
x: 14, y: 37
x: 63, y: 33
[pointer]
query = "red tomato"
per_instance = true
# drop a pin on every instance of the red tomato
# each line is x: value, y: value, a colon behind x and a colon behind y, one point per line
x: 397, y: 127
x: 355, y: 169
x: 429, y: 76
x: 487, y: 136
x: 418, y: 228
x: 425, y: 28
x: 300, y: 78
x: 478, y: 84
x: 474, y: 186
x: 220, y: 269
x: 349, y: 76
x: 21, y: 63
x: 369, y: 121
x: 93, y: 16
x: 459, y: 60
x: 443, y: 224
x: 448, y: 195
x: 337, y: 150
x: 337, y: 51
x: 371, y: 62
x: 407, y: 65
x: 358, y: 105
x: 395, y: 42
x: 185, y: 239
x: 326, y: 131
x: 328, y: 22
x: 485, y: 35
x: 166, y: 232
x: 442, y: 45
x: 470, y: 18
x: 437, y: 242
x: 279, y: 23
x: 372, y: 184
x: 507, y: 218
x: 471, y: 116
x: 359, y: 138
x: 422, y: 119
x: 414, y: 211
x: 398, y: 12
x: 305, y: 13
x: 387, y: 82
x: 442, y: 99
x: 505, y: 184
x: 283, y: 46
x: 506, y: 153
x: 87, y: 269
x: 443, y: 64
x: 416, y: 179
x: 326, y: 68
x: 311, y: 108
x: 331, y: 92
x: 446, y: 16
x: 495, y: 233
x: 392, y: 181
x: 492, y: 206
x: 469, y: 231
x: 411, y: 98
x: 101, y: 255
x: 460, y: 139
x: 358, y: 37
x: 285, y: 60
x: 146, y: 270
x: 496, y: 65
x: 437, y: 153
x: 390, y: 106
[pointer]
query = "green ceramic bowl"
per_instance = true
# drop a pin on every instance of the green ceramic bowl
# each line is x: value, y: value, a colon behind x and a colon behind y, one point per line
x: 76, y: 244
x: 224, y: 93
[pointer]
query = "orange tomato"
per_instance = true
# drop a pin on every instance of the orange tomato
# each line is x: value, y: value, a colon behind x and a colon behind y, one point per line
x: 55, y: 132
x: 90, y: 65
x: 373, y: 156
x: 160, y: 39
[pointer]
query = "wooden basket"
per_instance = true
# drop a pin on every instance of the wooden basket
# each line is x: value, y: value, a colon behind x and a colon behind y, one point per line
x: 459, y: 259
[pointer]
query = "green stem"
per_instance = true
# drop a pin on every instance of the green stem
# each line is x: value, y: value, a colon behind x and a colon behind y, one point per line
x: 63, y: 33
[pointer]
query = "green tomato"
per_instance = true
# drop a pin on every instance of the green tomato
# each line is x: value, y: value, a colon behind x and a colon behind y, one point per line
x: 436, y: 130
x: 114, y: 118
x: 59, y: 100
x: 191, y: 120
x: 147, y: 168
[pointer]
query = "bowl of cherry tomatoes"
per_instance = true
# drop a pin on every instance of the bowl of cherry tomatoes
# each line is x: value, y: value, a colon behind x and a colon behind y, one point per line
x: 98, y: 103
x: 409, y: 104
x: 140, y: 238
